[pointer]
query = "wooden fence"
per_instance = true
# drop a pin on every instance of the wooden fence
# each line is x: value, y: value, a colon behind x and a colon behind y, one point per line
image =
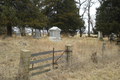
x: 25, y: 61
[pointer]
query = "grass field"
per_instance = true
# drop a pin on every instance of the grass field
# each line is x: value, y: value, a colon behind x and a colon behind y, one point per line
x: 82, y: 68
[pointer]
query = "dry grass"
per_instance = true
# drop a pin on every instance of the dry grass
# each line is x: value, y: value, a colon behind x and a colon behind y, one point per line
x: 82, y: 67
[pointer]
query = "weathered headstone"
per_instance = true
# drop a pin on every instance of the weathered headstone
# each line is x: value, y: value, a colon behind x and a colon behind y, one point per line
x: 37, y: 34
x: 100, y: 37
x: 55, y: 34
x: 112, y: 38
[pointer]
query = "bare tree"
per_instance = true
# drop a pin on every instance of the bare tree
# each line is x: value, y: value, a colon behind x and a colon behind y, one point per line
x: 100, y: 1
x: 89, y: 5
x: 91, y: 22
x: 93, y: 29
x: 80, y: 4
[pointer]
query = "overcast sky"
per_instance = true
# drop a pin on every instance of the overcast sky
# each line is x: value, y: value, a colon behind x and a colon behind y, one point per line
x: 92, y: 13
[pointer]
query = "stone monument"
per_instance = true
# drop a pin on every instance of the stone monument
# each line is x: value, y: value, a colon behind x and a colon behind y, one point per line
x: 37, y: 34
x: 112, y: 37
x: 100, y: 37
x: 55, y: 34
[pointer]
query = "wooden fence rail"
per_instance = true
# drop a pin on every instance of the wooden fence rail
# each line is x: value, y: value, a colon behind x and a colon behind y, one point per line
x: 25, y: 60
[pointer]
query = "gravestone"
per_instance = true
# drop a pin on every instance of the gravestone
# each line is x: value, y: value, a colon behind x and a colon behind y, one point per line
x: 17, y: 33
x: 112, y: 38
x: 37, y: 34
x: 100, y: 37
x: 55, y: 34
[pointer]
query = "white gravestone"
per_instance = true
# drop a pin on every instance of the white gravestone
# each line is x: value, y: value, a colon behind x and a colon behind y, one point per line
x: 55, y: 34
x: 37, y: 34
x: 100, y: 35
x: 16, y: 30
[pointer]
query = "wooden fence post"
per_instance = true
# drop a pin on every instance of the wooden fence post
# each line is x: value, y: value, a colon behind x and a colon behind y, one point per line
x: 68, y: 49
x: 24, y: 64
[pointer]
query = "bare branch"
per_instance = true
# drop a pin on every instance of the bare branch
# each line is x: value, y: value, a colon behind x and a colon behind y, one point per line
x: 91, y: 22
x: 83, y: 2
x: 85, y: 9
x: 100, y: 1
x: 80, y: 6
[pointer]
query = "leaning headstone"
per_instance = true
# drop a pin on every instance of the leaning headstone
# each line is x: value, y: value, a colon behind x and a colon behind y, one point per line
x: 55, y: 34
x: 37, y: 34
x: 112, y: 38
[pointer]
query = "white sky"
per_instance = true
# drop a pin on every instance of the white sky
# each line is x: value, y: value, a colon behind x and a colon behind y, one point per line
x: 92, y: 13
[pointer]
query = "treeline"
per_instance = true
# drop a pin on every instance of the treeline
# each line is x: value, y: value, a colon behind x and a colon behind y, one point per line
x: 38, y: 14
x: 108, y: 17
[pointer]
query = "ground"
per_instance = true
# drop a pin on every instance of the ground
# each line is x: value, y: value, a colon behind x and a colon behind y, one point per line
x: 82, y: 68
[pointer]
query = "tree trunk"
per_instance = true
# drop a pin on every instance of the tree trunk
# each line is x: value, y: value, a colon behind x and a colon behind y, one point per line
x: 40, y: 31
x: 23, y: 32
x: 103, y: 34
x: 48, y: 34
x: 32, y: 32
x: 80, y: 4
x: 89, y: 19
x: 108, y: 36
x: 80, y: 33
x: 43, y: 32
x: 9, y: 30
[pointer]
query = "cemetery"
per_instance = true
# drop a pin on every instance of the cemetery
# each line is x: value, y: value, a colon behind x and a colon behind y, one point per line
x: 88, y: 55
x: 59, y: 40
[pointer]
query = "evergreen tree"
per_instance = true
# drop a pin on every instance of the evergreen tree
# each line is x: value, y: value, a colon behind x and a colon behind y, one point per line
x: 67, y: 16
x: 36, y: 19
x: 49, y: 11
x: 21, y: 13
x: 7, y: 15
x: 107, y: 19
x: 62, y: 13
x: 22, y: 8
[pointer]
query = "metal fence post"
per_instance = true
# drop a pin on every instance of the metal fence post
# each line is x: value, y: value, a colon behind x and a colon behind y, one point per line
x: 24, y: 64
x: 103, y: 48
x: 68, y: 51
